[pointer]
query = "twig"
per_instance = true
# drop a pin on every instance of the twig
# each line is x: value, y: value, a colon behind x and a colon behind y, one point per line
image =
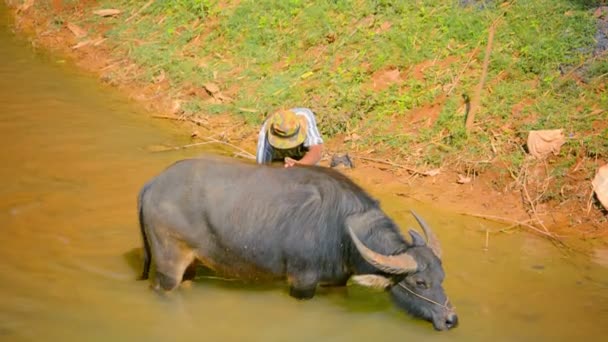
x: 210, y: 140
x: 175, y: 148
x: 486, y: 62
x: 519, y: 223
x: 590, y: 202
x: 112, y: 65
x: 525, y: 188
x: 391, y: 163
x: 246, y: 156
x: 532, y: 205
x: 246, y: 153
x: 181, y: 118
x: 143, y: 8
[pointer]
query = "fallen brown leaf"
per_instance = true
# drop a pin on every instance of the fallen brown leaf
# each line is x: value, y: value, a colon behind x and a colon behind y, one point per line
x: 248, y: 110
x: 211, y: 88
x: 107, y: 12
x: 82, y: 44
x: 222, y: 98
x: 352, y: 137
x: 463, y: 180
x: 432, y: 173
x: 99, y: 41
x: 160, y: 77
x: 76, y: 30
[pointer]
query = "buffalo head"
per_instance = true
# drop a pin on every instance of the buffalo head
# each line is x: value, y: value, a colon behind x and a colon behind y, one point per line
x: 414, y: 278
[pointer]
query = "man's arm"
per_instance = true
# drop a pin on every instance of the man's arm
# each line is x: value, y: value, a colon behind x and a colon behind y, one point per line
x: 312, y: 157
x: 313, y: 141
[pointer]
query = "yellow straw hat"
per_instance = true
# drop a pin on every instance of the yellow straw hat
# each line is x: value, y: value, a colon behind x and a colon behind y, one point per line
x: 286, y: 129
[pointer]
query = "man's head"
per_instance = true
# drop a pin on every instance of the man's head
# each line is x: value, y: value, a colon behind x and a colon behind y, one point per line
x: 286, y: 130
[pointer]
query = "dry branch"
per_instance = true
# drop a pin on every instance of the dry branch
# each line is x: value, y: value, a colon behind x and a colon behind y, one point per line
x: 143, y: 8
x: 181, y: 118
x: 210, y: 140
x: 486, y: 62
x: 392, y: 164
x: 517, y: 223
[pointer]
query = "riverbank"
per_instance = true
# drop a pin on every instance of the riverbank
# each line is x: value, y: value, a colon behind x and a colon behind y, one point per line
x: 411, y: 151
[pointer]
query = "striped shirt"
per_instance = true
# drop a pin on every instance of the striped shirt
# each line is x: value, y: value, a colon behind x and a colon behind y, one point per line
x: 313, y: 137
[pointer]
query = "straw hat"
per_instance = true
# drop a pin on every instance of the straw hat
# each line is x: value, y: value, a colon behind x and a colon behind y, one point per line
x: 286, y: 129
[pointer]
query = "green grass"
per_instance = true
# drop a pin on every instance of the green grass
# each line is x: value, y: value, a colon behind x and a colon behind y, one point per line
x: 323, y: 54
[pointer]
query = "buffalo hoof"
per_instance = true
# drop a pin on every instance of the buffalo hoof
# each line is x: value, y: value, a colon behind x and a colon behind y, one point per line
x: 301, y: 294
x: 165, y: 282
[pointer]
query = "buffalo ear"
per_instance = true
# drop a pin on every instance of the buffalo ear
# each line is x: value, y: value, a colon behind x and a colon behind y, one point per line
x: 373, y: 281
x: 417, y: 240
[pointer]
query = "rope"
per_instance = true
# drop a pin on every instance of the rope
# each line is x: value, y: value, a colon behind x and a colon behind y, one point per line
x: 425, y: 298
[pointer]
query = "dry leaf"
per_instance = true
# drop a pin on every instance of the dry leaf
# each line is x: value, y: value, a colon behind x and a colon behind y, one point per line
x: 542, y: 143
x: 353, y: 137
x: 160, y: 77
x: 222, y: 98
x: 76, y: 30
x: 211, y: 88
x: 600, y: 185
x: 82, y: 44
x: 463, y: 180
x: 99, y: 41
x: 107, y: 12
x: 213, y: 100
x: 385, y: 26
x: 432, y: 173
x: 306, y: 75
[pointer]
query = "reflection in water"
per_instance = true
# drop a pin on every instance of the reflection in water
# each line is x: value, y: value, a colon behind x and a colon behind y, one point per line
x: 73, y: 158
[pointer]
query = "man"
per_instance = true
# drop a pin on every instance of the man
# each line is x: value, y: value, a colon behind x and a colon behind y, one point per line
x: 290, y: 136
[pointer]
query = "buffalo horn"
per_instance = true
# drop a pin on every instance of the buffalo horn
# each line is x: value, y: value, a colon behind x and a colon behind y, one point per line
x: 431, y: 239
x: 393, y: 264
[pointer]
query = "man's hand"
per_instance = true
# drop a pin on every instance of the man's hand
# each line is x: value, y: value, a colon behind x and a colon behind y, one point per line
x: 289, y: 162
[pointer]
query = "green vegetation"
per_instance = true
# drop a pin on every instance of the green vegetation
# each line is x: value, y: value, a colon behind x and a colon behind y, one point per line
x: 326, y: 55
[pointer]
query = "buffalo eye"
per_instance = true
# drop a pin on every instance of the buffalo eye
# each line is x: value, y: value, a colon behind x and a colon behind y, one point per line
x: 421, y: 284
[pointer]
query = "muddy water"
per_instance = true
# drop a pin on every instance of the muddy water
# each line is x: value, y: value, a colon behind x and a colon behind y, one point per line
x: 73, y: 156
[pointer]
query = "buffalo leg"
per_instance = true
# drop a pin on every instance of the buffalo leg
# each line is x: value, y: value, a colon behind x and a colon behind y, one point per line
x: 172, y: 259
x: 301, y: 293
x: 303, y: 286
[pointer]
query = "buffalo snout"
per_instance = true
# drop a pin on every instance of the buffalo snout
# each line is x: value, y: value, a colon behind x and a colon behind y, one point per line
x: 445, y: 321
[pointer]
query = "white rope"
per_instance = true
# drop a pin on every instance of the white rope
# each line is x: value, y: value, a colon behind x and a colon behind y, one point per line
x: 425, y: 298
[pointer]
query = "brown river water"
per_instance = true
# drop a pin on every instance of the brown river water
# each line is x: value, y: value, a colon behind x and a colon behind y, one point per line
x: 73, y: 157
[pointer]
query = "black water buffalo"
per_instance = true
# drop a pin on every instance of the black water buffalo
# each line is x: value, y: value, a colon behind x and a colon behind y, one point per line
x: 309, y: 225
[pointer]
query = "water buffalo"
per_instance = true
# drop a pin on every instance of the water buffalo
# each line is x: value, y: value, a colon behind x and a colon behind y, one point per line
x: 309, y: 225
